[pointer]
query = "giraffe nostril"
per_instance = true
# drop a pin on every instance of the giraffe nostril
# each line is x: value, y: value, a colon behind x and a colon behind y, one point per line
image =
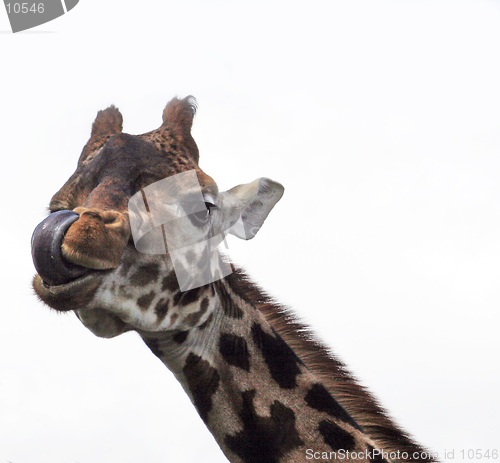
x: 107, y: 217
x: 92, y: 214
x: 110, y: 217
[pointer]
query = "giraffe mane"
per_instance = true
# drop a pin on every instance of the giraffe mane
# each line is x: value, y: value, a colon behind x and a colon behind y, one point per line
x: 332, y: 372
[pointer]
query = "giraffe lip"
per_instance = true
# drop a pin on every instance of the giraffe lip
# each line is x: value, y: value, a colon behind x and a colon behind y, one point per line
x: 73, y: 295
x: 72, y: 284
x: 46, y: 242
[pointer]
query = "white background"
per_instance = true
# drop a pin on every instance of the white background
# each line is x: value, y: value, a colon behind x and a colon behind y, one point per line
x: 382, y: 120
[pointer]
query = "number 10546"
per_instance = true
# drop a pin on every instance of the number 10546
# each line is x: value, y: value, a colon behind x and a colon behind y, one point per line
x: 479, y: 454
x: 25, y: 8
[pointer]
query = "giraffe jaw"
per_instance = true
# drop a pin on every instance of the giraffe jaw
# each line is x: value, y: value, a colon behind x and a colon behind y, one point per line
x: 74, y: 295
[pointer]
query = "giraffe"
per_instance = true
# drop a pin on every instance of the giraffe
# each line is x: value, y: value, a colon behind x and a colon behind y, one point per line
x: 267, y: 390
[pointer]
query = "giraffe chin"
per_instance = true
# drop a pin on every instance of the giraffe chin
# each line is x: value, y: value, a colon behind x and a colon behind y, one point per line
x: 76, y: 294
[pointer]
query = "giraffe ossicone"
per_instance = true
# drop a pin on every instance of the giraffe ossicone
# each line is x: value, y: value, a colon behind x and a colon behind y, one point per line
x: 131, y: 244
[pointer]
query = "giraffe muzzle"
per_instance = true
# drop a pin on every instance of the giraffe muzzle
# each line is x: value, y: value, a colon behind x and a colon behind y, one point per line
x: 46, y: 249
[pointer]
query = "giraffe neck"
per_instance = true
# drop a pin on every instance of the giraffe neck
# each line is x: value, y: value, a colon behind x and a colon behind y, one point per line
x: 256, y: 396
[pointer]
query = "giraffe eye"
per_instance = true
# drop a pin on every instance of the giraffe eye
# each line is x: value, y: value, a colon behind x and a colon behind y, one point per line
x: 202, y: 217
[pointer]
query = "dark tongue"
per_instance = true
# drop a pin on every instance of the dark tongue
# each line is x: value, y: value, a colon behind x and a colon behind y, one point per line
x: 46, y: 249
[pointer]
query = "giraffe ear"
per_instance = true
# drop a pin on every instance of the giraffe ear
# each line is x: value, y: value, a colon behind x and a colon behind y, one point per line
x: 246, y: 206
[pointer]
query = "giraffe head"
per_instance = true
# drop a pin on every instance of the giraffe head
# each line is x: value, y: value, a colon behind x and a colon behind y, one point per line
x: 123, y: 249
